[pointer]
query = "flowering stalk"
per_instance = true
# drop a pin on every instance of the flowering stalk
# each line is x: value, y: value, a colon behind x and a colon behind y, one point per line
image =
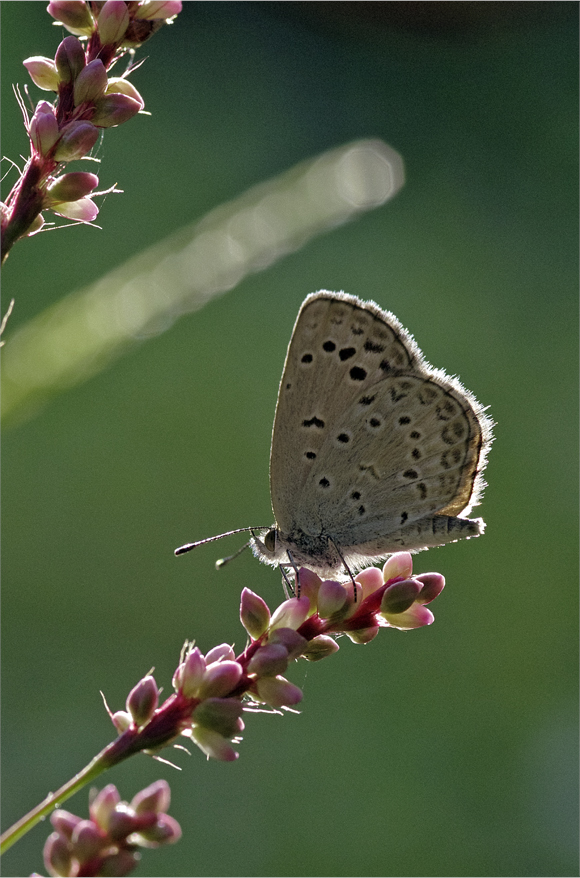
x: 213, y: 691
x: 88, y: 100
x: 108, y: 842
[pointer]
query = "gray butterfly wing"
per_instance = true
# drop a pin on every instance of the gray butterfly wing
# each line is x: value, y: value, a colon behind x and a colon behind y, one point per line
x: 369, y: 441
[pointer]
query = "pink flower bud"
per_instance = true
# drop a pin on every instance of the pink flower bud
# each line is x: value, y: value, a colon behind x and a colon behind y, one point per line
x: 371, y: 579
x: 291, y: 614
x: 70, y: 59
x: 163, y: 9
x: 103, y: 805
x: 156, y: 797
x: 399, y: 564
x: 118, y: 85
x: 332, y: 598
x: 42, y: 72
x: 294, y: 642
x: 43, y: 129
x: 433, y: 585
x: 86, y: 840
x: 219, y: 652
x: 191, y: 674
x: 269, y: 660
x: 416, y: 616
x: 82, y: 211
x: 122, y: 822
x: 57, y: 855
x: 114, y: 109
x: 112, y: 22
x: 35, y: 226
x: 64, y: 822
x: 71, y: 187
x: 309, y: 585
x: 91, y: 83
x: 75, y: 16
x: 320, y: 647
x: 166, y: 831
x: 278, y: 692
x: 122, y: 720
x: 220, y: 678
x: 254, y: 614
x: 142, y: 699
x: 213, y: 744
x: 121, y: 863
x: 400, y: 596
x: 363, y: 635
x: 76, y: 140
x: 222, y: 715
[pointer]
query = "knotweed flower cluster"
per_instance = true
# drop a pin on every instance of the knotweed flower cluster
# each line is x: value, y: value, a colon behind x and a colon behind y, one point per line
x: 88, y: 99
x: 212, y: 691
x: 108, y: 843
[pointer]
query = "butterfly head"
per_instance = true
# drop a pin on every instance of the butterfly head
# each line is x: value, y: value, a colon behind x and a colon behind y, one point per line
x: 268, y: 547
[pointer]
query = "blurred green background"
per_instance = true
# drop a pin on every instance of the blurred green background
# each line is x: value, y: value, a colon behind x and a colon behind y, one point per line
x: 450, y: 750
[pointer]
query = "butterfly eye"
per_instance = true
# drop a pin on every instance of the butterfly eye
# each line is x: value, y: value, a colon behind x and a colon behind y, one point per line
x: 270, y: 540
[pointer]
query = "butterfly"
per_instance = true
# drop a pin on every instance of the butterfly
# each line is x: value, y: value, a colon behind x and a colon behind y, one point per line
x: 373, y: 450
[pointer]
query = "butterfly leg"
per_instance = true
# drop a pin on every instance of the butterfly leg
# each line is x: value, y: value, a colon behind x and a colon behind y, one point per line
x: 346, y: 567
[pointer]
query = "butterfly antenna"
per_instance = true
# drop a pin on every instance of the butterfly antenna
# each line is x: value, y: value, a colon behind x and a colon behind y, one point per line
x: 221, y: 562
x: 189, y: 546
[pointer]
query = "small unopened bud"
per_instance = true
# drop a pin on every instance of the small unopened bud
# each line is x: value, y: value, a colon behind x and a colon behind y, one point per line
x: 219, y: 653
x: 103, y: 805
x: 363, y: 635
x: 142, y: 700
x: 417, y: 616
x: 35, y: 226
x: 114, y: 109
x: 74, y: 14
x: 64, y: 822
x: 86, y: 840
x: 91, y: 83
x: 71, y: 187
x: 254, y: 614
x: 371, y: 579
x: 43, y: 128
x: 332, y: 597
x: 118, y: 85
x: 309, y: 585
x: 400, y: 596
x: 69, y: 59
x: 278, y: 692
x: 294, y: 642
x: 269, y: 660
x: 220, y: 678
x: 118, y: 864
x: 399, y: 564
x: 76, y: 140
x: 320, y: 647
x: 155, y: 797
x: 222, y: 715
x: 191, y: 674
x: 166, y: 831
x: 122, y: 720
x: 112, y: 22
x: 156, y: 9
x: 291, y: 614
x: 42, y: 72
x: 213, y: 744
x: 122, y: 822
x: 433, y: 585
x: 57, y: 855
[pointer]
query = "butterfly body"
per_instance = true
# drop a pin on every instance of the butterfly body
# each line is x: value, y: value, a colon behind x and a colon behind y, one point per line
x: 373, y: 450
